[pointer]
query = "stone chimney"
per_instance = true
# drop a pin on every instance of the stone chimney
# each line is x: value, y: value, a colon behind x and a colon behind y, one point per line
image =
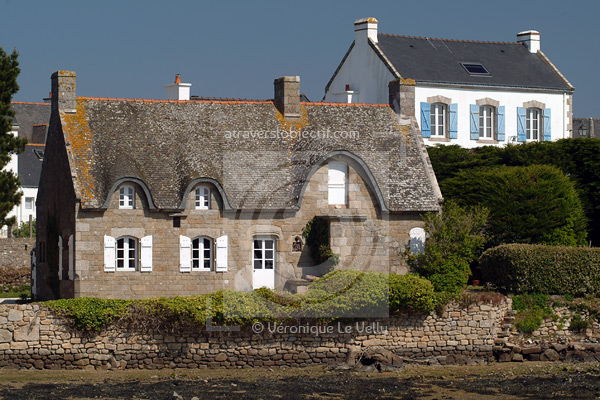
x: 287, y: 96
x: 178, y: 90
x: 365, y: 28
x: 402, y: 97
x: 63, y: 91
x: 531, y: 39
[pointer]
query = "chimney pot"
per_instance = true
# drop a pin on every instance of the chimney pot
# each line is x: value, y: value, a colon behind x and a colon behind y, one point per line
x: 347, y: 87
x: 531, y: 40
x: 287, y: 96
x: 177, y: 78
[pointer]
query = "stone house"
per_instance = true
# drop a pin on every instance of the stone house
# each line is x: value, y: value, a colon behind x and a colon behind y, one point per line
x: 470, y: 93
x: 146, y: 198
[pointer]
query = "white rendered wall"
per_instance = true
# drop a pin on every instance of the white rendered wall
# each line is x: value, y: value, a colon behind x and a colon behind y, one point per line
x: 365, y: 73
x: 509, y: 99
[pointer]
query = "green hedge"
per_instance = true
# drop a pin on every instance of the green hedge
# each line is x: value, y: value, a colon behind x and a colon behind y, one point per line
x: 338, y: 295
x: 522, y: 268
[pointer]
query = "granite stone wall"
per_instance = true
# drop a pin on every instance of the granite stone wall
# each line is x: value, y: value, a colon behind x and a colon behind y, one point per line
x: 14, y: 252
x: 33, y: 337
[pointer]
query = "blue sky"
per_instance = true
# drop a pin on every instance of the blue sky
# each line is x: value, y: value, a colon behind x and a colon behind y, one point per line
x: 132, y: 48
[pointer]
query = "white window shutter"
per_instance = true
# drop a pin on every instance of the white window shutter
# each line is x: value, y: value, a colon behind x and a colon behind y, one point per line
x: 109, y: 253
x: 185, y: 254
x: 146, y: 254
x: 71, y: 258
x: 60, y: 259
x: 222, y: 254
x: 337, y: 173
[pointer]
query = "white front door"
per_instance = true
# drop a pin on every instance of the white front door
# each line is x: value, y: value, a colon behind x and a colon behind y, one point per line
x: 263, y: 263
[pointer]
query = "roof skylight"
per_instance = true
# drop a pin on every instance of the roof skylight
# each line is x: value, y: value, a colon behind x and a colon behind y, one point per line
x: 475, y: 69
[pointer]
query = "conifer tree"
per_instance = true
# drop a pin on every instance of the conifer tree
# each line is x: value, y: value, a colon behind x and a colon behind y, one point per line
x: 10, y: 195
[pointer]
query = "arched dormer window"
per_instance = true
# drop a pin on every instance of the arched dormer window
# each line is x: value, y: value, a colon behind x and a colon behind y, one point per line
x: 126, y: 197
x: 202, y: 198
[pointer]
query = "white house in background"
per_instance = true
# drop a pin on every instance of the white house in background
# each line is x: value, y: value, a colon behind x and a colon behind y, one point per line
x: 469, y: 93
x: 30, y: 122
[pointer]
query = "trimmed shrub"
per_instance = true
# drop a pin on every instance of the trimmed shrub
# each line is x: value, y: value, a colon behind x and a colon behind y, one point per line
x: 338, y: 295
x: 521, y: 268
x: 535, y: 204
x: 410, y: 293
x: 456, y: 238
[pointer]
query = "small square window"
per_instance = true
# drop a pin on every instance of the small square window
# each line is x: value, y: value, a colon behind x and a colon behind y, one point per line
x: 176, y: 222
x: 202, y: 198
x: 29, y: 201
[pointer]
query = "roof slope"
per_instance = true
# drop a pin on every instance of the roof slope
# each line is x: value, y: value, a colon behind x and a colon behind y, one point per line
x: 438, y: 60
x: 29, y: 114
x: 167, y: 145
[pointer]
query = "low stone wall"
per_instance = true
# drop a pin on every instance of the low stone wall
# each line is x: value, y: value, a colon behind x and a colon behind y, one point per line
x: 14, y: 252
x: 33, y: 337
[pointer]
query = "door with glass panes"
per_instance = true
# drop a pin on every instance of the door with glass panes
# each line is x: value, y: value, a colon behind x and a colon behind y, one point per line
x: 263, y: 262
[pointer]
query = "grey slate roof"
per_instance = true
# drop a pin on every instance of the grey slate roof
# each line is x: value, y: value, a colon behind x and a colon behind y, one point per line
x: 29, y: 114
x: 30, y: 165
x: 438, y: 60
x: 168, y: 145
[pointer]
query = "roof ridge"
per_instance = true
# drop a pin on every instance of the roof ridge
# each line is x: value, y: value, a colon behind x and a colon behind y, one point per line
x: 322, y: 103
x: 447, y: 40
x: 29, y: 102
x: 180, y: 101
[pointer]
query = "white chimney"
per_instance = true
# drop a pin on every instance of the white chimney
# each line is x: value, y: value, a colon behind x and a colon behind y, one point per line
x: 531, y: 39
x: 365, y: 28
x: 178, y: 90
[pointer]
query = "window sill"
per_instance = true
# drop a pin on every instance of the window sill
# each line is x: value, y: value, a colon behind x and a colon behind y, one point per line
x: 201, y: 270
x: 438, y: 139
x: 125, y: 270
x: 488, y: 141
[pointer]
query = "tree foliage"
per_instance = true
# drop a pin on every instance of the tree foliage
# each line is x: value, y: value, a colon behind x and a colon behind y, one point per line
x: 10, y: 145
x: 535, y: 204
x: 578, y: 159
x: 456, y: 237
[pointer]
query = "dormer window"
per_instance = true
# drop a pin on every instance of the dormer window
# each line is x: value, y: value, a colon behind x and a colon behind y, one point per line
x: 126, y: 197
x: 202, y: 198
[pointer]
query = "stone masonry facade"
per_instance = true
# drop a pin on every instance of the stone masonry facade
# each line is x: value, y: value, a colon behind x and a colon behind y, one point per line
x: 33, y: 337
x: 362, y: 237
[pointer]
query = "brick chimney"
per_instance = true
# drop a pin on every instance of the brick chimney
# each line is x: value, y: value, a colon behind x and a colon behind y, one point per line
x: 365, y: 28
x: 63, y: 91
x: 287, y: 96
x: 531, y: 39
x: 178, y: 90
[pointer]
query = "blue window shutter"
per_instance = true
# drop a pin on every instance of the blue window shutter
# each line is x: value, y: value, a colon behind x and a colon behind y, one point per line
x: 521, y: 124
x: 474, y: 122
x: 453, y: 121
x: 547, y: 125
x: 500, y: 131
x: 425, y: 120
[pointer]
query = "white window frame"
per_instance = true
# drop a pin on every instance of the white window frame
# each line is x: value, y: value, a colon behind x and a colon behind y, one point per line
x: 532, y: 133
x: 123, y: 244
x: 438, y: 111
x: 262, y: 248
x: 202, y: 198
x: 201, y: 254
x: 31, y: 203
x: 126, y: 197
x: 486, y: 122
x: 337, y: 192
